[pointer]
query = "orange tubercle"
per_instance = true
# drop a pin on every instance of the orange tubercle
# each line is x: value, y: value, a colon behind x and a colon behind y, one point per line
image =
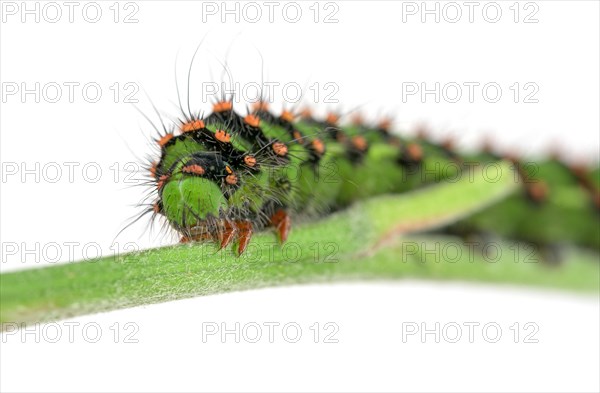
x: 222, y: 136
x: 252, y: 120
x: 193, y: 169
x: 385, y: 124
x: 538, y: 191
x: 306, y: 113
x: 231, y: 179
x: 222, y: 106
x: 161, y: 181
x: 153, y: 169
x: 415, y: 151
x: 359, y: 142
x: 165, y: 139
x: 250, y: 161
x: 280, y: 149
x: 287, y: 116
x: 358, y: 120
x: 318, y: 145
x: 332, y: 118
x: 192, y: 126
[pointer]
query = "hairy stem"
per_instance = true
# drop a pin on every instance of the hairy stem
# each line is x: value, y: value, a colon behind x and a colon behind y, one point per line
x: 352, y: 244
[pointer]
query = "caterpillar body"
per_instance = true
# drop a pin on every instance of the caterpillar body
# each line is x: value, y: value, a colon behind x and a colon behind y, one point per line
x: 222, y: 177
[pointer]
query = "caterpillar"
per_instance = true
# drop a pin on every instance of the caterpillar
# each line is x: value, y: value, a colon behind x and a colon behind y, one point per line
x: 224, y: 176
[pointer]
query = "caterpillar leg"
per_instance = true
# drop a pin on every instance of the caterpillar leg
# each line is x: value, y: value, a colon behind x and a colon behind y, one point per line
x: 282, y: 223
x: 245, y: 232
x: 226, y: 236
x: 242, y: 229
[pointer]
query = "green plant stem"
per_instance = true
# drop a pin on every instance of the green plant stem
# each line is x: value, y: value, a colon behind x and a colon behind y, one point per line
x: 344, y: 246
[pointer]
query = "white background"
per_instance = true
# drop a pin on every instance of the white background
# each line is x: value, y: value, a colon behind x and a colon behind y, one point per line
x: 372, y: 50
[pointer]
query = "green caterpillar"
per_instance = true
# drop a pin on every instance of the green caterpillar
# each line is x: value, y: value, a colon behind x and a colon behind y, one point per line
x: 224, y: 176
